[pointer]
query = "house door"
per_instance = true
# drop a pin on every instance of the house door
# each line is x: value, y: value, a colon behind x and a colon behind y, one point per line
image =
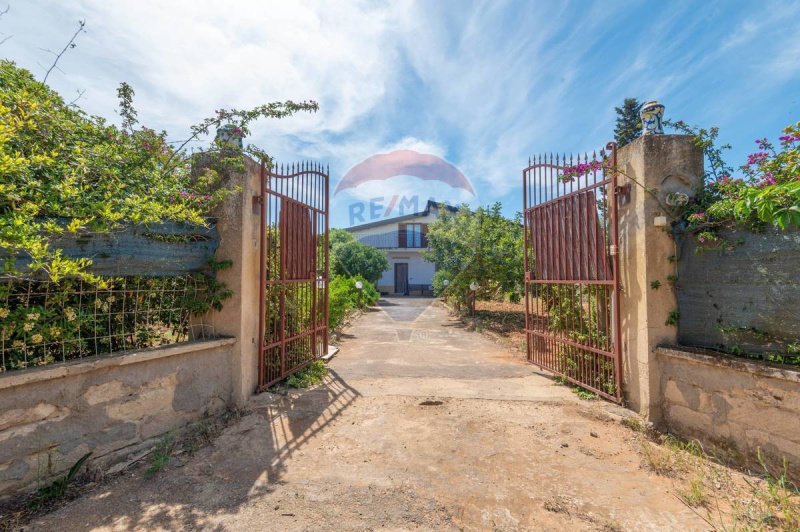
x: 401, y: 278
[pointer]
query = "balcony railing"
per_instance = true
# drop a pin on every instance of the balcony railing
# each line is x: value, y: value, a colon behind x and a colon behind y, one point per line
x: 394, y: 240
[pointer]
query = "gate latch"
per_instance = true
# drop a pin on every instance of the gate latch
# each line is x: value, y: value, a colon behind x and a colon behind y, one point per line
x: 612, y: 250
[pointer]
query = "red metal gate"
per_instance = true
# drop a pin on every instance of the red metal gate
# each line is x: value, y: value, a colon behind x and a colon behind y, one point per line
x: 572, y: 321
x: 294, y: 269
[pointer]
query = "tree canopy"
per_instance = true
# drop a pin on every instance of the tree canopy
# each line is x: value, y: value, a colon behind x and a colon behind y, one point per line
x: 351, y: 258
x: 66, y: 171
x: 479, y: 246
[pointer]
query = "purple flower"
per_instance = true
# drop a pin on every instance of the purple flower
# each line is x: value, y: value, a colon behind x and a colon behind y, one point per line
x: 766, y: 181
x: 760, y: 157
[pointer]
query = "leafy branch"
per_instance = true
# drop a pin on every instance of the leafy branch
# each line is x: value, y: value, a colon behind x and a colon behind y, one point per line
x: 240, y: 119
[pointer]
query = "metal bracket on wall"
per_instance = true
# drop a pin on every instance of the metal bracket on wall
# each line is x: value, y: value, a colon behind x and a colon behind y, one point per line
x: 256, y: 204
x: 624, y: 193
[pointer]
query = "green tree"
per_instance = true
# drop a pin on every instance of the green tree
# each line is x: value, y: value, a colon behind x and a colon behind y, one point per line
x: 354, y: 258
x: 629, y: 125
x: 479, y: 246
x: 339, y: 236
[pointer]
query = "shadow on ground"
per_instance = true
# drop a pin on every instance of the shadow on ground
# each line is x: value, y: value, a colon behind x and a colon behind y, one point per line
x: 246, y: 462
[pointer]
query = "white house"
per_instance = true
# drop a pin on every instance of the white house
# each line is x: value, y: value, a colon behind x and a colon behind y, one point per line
x: 403, y: 238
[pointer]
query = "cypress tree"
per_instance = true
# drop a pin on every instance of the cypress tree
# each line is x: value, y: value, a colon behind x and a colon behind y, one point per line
x: 629, y: 125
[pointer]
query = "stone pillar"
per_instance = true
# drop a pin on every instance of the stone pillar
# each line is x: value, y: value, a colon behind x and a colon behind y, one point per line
x: 663, y: 164
x: 239, y: 223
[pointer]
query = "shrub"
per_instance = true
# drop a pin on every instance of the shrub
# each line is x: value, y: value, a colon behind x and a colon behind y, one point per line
x: 480, y: 246
x: 767, y: 193
x: 344, y: 297
x: 352, y: 258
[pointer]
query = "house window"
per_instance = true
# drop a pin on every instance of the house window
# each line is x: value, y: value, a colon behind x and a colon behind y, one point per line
x: 414, y: 235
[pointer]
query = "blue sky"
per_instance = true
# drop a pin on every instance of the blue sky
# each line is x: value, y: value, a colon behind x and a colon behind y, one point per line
x: 482, y: 84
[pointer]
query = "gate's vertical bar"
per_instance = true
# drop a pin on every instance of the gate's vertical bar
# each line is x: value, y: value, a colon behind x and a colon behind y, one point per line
x: 284, y: 237
x: 615, y: 273
x: 327, y: 264
x: 262, y: 269
x: 313, y: 322
x: 525, y: 233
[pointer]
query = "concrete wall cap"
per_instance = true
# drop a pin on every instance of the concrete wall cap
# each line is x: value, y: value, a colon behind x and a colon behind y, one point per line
x: 713, y: 358
x: 85, y: 365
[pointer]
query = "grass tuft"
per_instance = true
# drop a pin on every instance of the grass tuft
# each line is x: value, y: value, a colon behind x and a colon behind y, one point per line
x: 309, y: 376
x: 161, y: 455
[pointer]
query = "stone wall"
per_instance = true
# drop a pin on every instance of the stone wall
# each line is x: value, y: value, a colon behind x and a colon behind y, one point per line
x: 743, y: 299
x: 733, y: 406
x: 114, y: 406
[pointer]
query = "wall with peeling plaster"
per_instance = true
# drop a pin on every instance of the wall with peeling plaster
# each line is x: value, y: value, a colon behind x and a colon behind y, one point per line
x: 733, y: 407
x: 115, y: 407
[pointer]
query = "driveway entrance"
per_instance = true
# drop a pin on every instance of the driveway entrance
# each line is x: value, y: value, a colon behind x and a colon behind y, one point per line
x: 421, y: 425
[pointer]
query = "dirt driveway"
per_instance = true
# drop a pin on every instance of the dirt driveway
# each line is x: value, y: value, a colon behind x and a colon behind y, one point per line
x: 421, y: 425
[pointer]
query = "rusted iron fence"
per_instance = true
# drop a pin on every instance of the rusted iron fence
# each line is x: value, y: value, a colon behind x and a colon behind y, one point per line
x: 572, y: 321
x: 294, y: 269
x: 44, y: 322
x: 154, y: 283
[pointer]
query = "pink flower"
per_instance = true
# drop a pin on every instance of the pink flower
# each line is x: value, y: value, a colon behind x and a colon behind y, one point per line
x: 757, y: 158
x: 763, y: 144
x: 571, y: 172
x: 766, y: 181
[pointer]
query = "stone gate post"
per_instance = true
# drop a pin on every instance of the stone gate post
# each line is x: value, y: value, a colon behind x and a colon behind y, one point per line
x: 662, y: 164
x: 239, y: 227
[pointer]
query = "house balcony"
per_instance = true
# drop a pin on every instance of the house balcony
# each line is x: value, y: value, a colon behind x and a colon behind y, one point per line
x: 395, y: 240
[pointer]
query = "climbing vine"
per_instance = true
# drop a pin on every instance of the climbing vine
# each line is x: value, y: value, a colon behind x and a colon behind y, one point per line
x: 64, y: 171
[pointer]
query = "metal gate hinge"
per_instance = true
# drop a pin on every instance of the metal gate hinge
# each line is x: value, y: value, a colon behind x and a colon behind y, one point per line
x: 256, y: 204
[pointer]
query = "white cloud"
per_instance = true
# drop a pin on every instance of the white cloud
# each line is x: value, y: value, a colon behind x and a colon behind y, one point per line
x: 186, y: 58
x: 483, y: 84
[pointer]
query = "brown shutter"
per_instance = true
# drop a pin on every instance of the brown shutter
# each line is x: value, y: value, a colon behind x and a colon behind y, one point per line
x: 401, y: 236
x: 424, y: 235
